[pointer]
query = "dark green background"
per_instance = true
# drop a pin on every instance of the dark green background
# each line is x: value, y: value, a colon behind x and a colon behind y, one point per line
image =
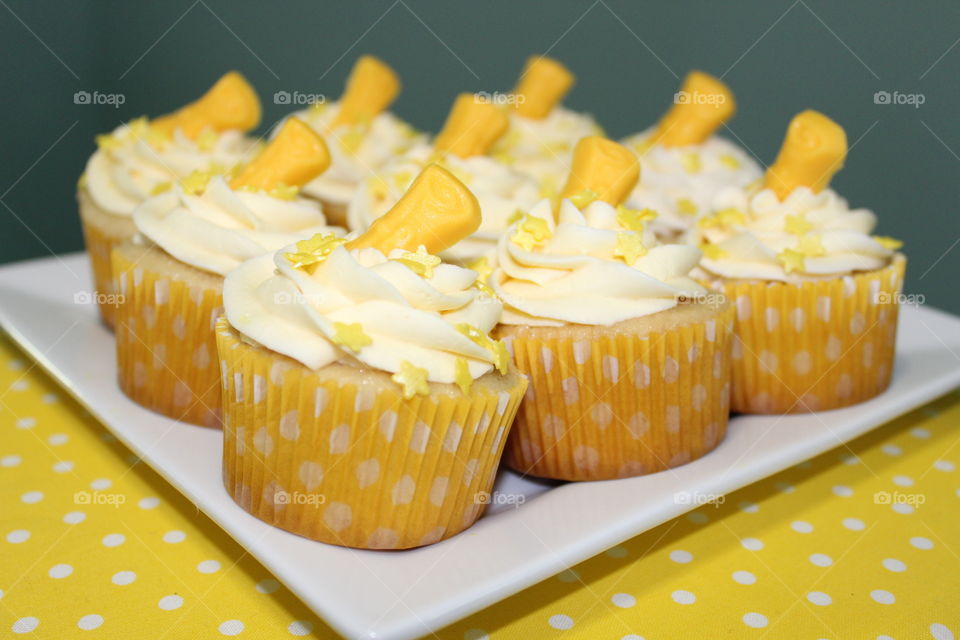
x: 779, y: 57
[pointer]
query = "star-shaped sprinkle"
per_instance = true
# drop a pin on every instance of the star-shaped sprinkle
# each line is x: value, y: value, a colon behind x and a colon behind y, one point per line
x: 483, y: 268
x: 196, y: 182
x: 420, y: 261
x: 351, y: 140
x: 413, y: 380
x: 712, y: 251
x: 161, y: 187
x: 531, y: 231
x: 730, y: 161
x: 810, y: 245
x: 629, y: 247
x: 888, y: 243
x: 686, y: 206
x: 107, y: 141
x: 584, y: 198
x: 691, y: 162
x: 516, y: 216
x: 314, y: 250
x: 461, y: 375
x: 351, y: 336
x: 207, y: 139
x: 797, y: 225
x: 633, y: 219
x: 722, y: 218
x: 791, y: 260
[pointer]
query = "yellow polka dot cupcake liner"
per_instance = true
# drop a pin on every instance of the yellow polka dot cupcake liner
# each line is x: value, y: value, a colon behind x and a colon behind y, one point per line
x: 338, y: 455
x: 607, y: 403
x: 99, y: 243
x: 815, y: 345
x: 166, y: 347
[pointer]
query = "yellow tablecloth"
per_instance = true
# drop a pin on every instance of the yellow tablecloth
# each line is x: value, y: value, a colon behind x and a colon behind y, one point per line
x: 861, y: 542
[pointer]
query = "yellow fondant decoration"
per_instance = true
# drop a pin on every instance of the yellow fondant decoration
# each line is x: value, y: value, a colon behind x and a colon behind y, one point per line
x: 437, y: 211
x: 413, y: 379
x: 699, y: 108
x: 371, y: 88
x: 812, y: 152
x: 472, y: 127
x: 604, y: 167
x: 542, y: 86
x: 351, y: 336
x: 295, y: 157
x: 231, y: 103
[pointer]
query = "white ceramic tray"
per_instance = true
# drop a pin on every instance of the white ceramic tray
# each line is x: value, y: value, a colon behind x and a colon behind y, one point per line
x: 398, y: 595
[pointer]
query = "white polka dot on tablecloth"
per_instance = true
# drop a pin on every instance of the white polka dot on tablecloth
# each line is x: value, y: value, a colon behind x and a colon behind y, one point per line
x: 26, y: 423
x: 31, y: 497
x: 849, y: 459
x: 891, y: 450
x: 113, y: 540
x: 819, y: 598
x: 10, y: 461
x: 682, y: 596
x: 617, y: 552
x: 25, y: 625
x: 892, y: 564
x: 568, y: 576
x: 90, y: 622
x: 149, y: 503
x: 921, y: 433
x: 231, y: 628
x: 208, y: 566
x: 883, y: 597
x: 854, y: 524
x: 101, y: 484
x: 560, y: 621
x: 680, y: 556
x: 63, y: 466
x: 123, y: 578
x: 267, y: 586
x: 820, y: 560
x: 743, y: 577
x: 74, y: 517
x: 801, y: 527
x: 623, y: 600
x: 698, y: 517
x: 57, y: 439
x: 475, y: 634
x: 173, y: 537
x: 49, y: 398
x: 902, y: 508
x: 921, y: 543
x: 944, y: 465
x: 171, y: 602
x: 302, y: 628
x: 902, y: 481
x: 748, y: 507
x: 842, y: 491
x: 752, y: 544
x: 632, y: 636
x: 755, y: 620
x: 785, y: 487
x: 58, y: 571
x: 17, y: 536
x: 941, y: 632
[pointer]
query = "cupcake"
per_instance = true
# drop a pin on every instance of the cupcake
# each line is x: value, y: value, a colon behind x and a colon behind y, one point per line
x: 171, y: 273
x: 365, y: 403
x: 542, y: 133
x: 142, y: 158
x: 471, y: 128
x: 816, y: 294
x: 684, y: 163
x: 362, y: 134
x: 627, y: 356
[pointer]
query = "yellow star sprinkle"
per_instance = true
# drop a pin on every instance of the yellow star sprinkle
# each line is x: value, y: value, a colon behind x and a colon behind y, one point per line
x: 207, y: 139
x: 413, y: 379
x: 531, y: 231
x: 419, y: 261
x: 632, y: 219
x: 629, y: 247
x: 350, y: 336
x: 791, y: 260
x: 888, y: 243
x: 351, y: 140
x: 723, y: 218
x: 686, y: 206
x: 797, y: 225
x: 108, y: 141
x: 810, y: 246
x: 712, y: 251
x: 161, y: 187
x: 516, y: 216
x: 730, y: 161
x: 196, y: 182
x: 482, y: 266
x: 584, y: 198
x: 283, y: 192
x: 691, y: 162
x: 313, y: 251
x: 461, y: 375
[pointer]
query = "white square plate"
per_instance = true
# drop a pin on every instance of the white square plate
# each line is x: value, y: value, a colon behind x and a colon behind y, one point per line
x: 398, y: 595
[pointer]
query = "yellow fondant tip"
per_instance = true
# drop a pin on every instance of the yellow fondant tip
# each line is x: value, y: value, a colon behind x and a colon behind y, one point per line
x: 472, y: 127
x: 371, y: 89
x: 603, y: 167
x: 292, y: 159
x: 699, y: 108
x: 542, y: 86
x: 813, y: 151
x: 231, y: 103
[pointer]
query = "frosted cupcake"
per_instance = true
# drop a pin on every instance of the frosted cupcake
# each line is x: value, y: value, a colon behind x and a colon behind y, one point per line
x: 471, y: 128
x: 816, y: 293
x: 142, y: 158
x: 628, y: 357
x: 366, y: 404
x: 684, y: 163
x: 171, y: 273
x: 542, y: 132
x: 362, y: 134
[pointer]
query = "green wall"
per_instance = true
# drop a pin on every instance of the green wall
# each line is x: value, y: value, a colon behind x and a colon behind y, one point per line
x: 779, y: 56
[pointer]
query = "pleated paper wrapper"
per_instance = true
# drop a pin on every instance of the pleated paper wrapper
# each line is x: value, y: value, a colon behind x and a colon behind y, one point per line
x: 166, y: 345
x: 99, y: 242
x: 620, y: 404
x: 338, y: 455
x: 816, y: 345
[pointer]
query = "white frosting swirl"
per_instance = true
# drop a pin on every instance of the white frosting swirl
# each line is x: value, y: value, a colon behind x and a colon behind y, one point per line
x: 751, y: 228
x: 220, y: 228
x: 500, y: 191
x: 356, y: 151
x: 406, y: 316
x: 543, y: 149
x: 575, y: 277
x: 680, y: 182
x: 132, y: 162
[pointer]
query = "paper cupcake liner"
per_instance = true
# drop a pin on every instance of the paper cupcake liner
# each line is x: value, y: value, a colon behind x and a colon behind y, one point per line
x: 337, y: 455
x: 621, y: 405
x: 166, y: 347
x: 100, y: 242
x: 817, y: 345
